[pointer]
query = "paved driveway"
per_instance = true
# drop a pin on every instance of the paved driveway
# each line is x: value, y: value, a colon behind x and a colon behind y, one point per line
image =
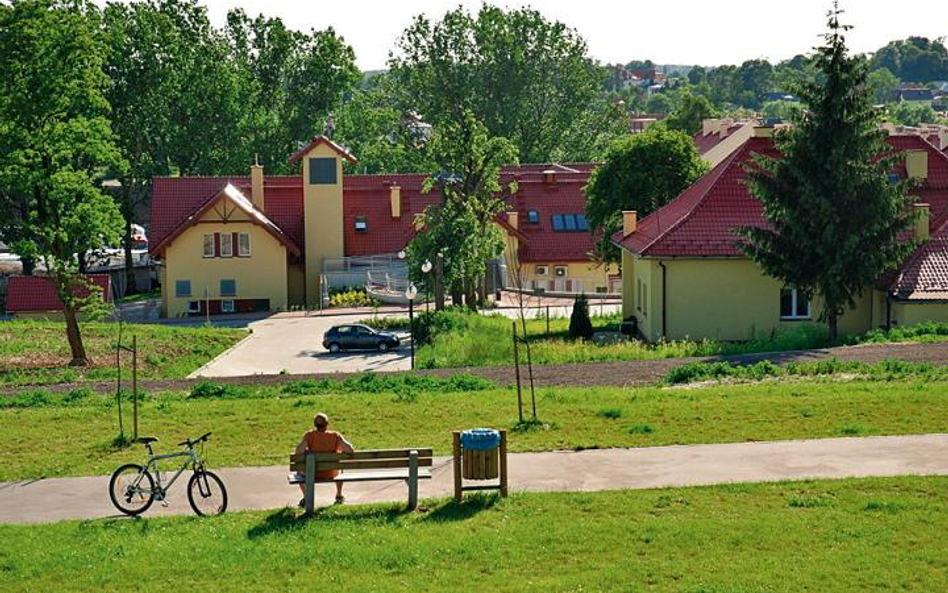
x: 293, y: 344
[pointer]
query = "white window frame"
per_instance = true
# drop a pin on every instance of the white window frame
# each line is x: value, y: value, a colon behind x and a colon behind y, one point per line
x: 194, y: 306
x: 794, y: 296
x: 240, y: 245
x: 543, y: 270
x: 227, y: 306
x: 227, y: 244
x: 208, y: 236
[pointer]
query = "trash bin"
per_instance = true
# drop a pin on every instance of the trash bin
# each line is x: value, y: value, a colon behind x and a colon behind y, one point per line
x: 481, y: 453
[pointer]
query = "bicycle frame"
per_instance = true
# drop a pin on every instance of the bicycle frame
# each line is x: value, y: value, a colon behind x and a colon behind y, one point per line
x: 193, y: 461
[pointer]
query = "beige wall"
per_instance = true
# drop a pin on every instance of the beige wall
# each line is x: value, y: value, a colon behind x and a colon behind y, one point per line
x: 296, y: 279
x: 725, y: 299
x: 628, y: 283
x: 263, y: 275
x: 908, y: 313
x: 323, y: 221
x: 588, y: 273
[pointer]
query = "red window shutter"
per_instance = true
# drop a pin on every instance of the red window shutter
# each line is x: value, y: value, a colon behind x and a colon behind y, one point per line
x: 217, y: 244
x: 233, y: 242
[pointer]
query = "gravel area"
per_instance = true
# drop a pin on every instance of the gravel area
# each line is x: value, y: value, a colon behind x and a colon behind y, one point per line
x: 619, y: 373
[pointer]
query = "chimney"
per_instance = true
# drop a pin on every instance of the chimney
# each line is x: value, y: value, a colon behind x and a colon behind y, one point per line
x: 763, y: 131
x: 256, y: 186
x: 629, y: 222
x: 513, y: 219
x: 916, y: 164
x: 725, y: 128
x: 922, y: 220
x: 708, y: 126
x: 549, y: 177
x: 395, y: 195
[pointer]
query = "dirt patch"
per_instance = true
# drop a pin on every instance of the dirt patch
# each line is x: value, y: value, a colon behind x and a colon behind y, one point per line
x: 623, y: 374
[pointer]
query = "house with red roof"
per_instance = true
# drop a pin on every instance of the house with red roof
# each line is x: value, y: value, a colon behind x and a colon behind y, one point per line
x: 685, y: 277
x: 35, y: 297
x: 266, y: 243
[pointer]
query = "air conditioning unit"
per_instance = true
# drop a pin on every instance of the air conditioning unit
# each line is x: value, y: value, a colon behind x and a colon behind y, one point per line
x: 543, y: 270
x: 560, y: 271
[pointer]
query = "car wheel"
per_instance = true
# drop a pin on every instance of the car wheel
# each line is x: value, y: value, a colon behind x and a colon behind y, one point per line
x: 334, y: 348
x: 383, y: 347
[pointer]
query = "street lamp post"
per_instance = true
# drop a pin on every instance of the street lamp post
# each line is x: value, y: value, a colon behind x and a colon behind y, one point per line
x: 410, y: 294
x: 425, y: 269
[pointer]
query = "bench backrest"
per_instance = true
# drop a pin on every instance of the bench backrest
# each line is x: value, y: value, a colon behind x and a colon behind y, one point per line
x: 369, y: 459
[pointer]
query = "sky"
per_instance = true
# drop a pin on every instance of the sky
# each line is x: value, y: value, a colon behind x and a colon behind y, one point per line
x: 665, y: 31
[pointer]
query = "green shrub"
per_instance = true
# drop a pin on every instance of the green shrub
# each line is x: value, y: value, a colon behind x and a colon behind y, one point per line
x: 580, y: 326
x: 641, y: 428
x: 387, y: 323
x: 610, y: 413
x: 209, y: 389
x: 352, y: 298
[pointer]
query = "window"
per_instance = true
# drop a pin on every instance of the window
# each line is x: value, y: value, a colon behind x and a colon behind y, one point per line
x: 543, y: 270
x: 570, y: 222
x: 361, y: 224
x: 227, y: 306
x: 533, y: 217
x: 322, y: 171
x: 243, y: 245
x: 209, y: 245
x: 194, y: 306
x: 228, y: 288
x: 182, y: 288
x: 560, y: 271
x: 794, y: 304
x: 227, y: 244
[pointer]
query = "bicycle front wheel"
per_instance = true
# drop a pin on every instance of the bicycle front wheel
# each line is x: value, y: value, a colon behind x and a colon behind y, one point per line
x: 207, y: 494
x: 132, y: 489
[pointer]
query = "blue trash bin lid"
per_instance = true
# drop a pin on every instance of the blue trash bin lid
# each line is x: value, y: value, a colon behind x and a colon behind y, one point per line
x: 480, y: 439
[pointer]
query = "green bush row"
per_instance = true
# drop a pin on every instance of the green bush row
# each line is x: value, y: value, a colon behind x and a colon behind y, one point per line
x: 694, y: 372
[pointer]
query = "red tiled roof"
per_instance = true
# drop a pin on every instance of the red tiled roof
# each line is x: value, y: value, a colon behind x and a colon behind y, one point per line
x: 175, y: 199
x: 701, y: 221
x: 241, y: 201
x: 27, y: 294
x: 316, y: 141
x: 924, y: 276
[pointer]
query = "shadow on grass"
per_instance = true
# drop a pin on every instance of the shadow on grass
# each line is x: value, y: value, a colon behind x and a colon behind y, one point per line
x: 288, y: 520
x: 461, y: 511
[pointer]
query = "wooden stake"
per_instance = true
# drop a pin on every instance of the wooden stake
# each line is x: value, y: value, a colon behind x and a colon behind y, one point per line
x: 503, y: 463
x: 517, y: 371
x: 134, y: 386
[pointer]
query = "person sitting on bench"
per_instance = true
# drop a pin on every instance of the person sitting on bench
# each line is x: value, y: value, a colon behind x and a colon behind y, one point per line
x: 323, y: 440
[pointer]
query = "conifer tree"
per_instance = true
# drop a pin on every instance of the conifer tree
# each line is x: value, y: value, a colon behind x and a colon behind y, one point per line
x: 580, y: 326
x: 833, y: 215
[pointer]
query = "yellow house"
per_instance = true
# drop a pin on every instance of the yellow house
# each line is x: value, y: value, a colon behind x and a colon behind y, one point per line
x: 268, y: 243
x: 684, y: 277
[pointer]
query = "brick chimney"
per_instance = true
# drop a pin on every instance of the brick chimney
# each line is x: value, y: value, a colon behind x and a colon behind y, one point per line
x: 549, y: 177
x: 629, y: 222
x: 395, y: 196
x: 922, y: 220
x: 916, y: 164
x: 256, y: 186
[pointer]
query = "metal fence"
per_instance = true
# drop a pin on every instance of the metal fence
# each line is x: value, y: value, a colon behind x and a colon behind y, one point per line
x: 359, y: 271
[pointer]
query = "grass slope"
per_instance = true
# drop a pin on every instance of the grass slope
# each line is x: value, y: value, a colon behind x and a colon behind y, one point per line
x: 259, y: 426
x: 36, y: 352
x: 843, y: 536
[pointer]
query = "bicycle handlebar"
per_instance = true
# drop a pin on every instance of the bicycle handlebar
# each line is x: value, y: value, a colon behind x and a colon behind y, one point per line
x: 189, y: 443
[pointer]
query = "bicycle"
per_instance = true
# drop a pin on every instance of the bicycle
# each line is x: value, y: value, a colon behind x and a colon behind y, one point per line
x: 133, y: 489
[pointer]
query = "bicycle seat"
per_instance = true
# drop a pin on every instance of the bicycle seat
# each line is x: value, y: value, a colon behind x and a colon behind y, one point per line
x: 146, y: 440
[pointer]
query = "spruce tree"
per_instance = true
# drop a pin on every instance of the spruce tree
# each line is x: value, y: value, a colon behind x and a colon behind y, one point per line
x: 580, y: 326
x: 833, y: 215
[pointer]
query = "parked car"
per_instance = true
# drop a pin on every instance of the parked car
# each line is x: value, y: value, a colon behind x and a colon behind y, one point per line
x: 358, y: 337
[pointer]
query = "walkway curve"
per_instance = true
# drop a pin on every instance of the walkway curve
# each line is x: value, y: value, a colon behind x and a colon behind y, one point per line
x: 57, y: 499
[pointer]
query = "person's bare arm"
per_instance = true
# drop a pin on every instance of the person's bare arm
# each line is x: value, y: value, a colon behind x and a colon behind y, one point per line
x: 301, y: 448
x: 346, y: 445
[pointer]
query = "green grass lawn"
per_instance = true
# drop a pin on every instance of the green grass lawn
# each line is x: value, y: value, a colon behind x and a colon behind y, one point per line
x: 36, y: 352
x: 848, y: 536
x: 455, y: 339
x: 259, y: 426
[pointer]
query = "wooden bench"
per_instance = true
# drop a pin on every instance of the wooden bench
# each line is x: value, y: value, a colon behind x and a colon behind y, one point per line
x: 409, y: 465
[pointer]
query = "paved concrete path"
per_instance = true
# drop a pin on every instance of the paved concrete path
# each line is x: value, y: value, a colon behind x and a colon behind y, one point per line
x: 56, y: 499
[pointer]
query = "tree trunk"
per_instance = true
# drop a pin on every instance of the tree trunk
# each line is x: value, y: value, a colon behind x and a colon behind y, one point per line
x: 81, y: 259
x: 130, y: 287
x: 457, y: 294
x: 833, y: 321
x: 79, y: 357
x: 29, y: 265
x: 470, y: 290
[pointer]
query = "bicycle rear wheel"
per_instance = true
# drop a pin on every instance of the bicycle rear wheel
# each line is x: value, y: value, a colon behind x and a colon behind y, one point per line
x: 132, y: 489
x: 206, y: 494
